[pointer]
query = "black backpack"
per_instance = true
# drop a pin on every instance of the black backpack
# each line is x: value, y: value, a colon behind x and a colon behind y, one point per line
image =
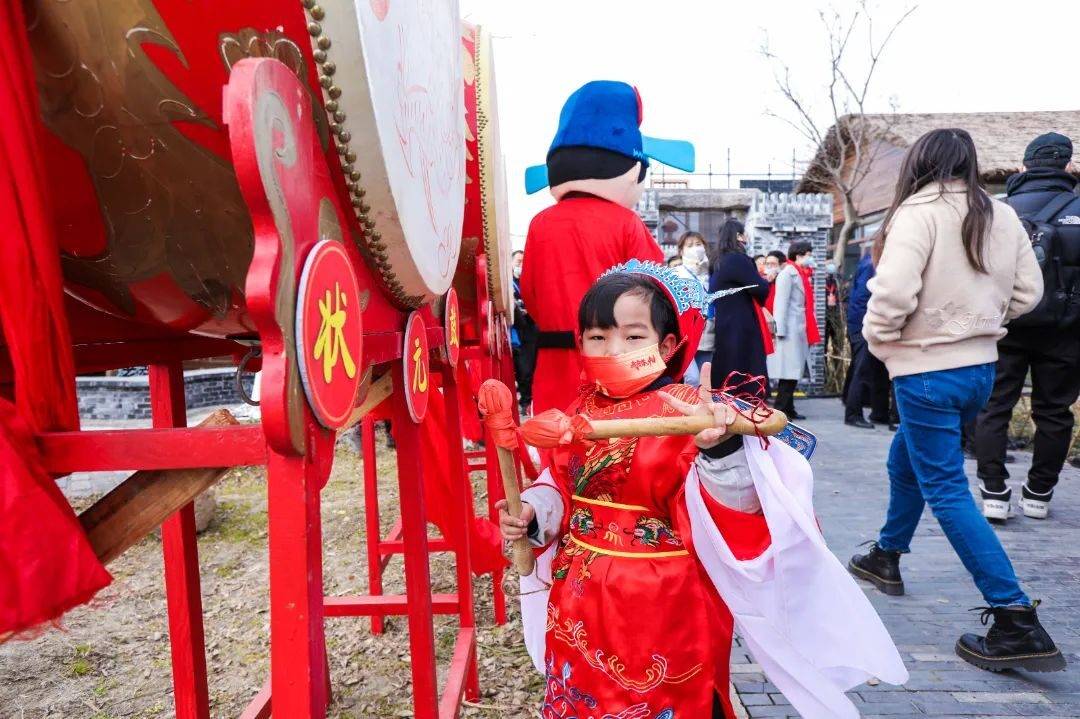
x: 1060, y: 303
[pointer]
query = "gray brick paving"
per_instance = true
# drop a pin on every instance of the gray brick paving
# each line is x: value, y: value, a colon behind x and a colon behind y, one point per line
x: 851, y: 496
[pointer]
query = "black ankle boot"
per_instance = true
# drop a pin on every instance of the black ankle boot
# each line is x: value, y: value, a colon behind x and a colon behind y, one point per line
x: 1016, y: 641
x: 880, y: 567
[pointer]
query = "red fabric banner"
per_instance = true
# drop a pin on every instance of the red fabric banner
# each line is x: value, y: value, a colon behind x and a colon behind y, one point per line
x: 46, y: 564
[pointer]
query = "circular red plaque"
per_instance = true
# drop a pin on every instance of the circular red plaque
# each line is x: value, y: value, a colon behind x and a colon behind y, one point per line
x: 452, y: 328
x: 417, y: 366
x: 329, y: 333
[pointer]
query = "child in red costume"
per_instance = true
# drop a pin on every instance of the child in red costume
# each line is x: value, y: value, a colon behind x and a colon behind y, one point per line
x: 656, y: 548
x: 596, y: 168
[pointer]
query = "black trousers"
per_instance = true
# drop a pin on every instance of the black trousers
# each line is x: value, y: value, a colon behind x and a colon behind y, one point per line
x: 785, y: 396
x: 525, y: 362
x: 867, y: 383
x: 1054, y: 361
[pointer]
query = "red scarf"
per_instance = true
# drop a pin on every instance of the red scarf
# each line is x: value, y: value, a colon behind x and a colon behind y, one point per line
x: 813, y: 334
x: 763, y: 325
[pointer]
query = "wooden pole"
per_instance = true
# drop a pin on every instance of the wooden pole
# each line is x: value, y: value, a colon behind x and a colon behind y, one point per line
x: 139, y: 504
x: 524, y: 560
x: 669, y: 426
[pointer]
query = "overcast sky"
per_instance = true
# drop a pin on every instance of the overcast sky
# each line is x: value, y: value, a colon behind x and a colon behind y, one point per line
x: 702, y: 78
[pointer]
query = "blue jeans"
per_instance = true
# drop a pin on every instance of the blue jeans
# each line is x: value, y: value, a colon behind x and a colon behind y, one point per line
x: 926, y: 466
x: 693, y: 372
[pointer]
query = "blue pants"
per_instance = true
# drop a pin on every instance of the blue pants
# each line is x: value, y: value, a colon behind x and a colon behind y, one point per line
x: 693, y: 372
x: 926, y: 466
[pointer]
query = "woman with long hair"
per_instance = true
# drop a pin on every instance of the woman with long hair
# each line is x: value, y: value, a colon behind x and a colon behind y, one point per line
x: 953, y: 265
x: 740, y: 327
x: 694, y: 252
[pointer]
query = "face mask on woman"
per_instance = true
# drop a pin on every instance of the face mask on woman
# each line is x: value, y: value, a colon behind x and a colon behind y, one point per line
x: 693, y: 255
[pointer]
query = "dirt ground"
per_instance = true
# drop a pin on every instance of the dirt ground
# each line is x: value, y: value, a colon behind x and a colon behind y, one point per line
x: 111, y: 659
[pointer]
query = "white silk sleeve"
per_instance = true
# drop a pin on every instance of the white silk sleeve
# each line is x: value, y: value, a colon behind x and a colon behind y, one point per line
x: 548, y: 505
x: 728, y: 480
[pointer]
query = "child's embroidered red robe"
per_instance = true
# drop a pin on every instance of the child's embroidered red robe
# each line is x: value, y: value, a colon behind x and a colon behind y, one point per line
x: 651, y: 573
x: 634, y: 627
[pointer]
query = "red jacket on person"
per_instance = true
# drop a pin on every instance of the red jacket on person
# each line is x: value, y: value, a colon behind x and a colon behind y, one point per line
x: 569, y: 245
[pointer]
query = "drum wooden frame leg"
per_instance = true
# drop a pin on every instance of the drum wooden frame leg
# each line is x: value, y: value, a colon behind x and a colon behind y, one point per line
x: 180, y: 551
x: 463, y: 517
x: 297, y: 640
x: 417, y: 569
x: 372, y: 531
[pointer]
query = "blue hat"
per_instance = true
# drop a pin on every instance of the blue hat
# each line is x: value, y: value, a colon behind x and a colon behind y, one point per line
x: 607, y: 115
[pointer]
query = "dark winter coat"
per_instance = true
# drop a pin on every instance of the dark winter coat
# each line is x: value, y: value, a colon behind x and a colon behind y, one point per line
x: 739, y: 344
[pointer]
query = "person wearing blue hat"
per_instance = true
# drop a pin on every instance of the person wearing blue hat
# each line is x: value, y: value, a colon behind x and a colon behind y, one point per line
x: 596, y: 168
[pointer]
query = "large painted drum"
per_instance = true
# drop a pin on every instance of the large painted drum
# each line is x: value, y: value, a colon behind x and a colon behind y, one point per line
x: 151, y: 223
x: 396, y: 95
x: 485, y: 228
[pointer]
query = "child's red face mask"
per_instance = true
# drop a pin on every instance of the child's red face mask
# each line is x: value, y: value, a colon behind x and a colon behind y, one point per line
x: 625, y: 374
x: 626, y: 358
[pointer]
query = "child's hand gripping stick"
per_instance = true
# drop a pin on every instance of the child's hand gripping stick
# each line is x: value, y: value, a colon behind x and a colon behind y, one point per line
x: 496, y: 401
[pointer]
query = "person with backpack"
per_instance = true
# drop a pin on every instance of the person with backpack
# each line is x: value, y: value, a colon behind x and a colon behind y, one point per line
x: 1046, y: 341
x: 868, y: 380
x: 953, y: 266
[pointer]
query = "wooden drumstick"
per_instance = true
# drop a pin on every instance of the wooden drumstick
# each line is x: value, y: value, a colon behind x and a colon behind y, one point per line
x: 771, y: 424
x: 522, y: 553
x: 540, y: 432
x: 495, y: 401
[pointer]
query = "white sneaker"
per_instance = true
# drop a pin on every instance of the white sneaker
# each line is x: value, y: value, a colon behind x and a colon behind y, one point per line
x: 1035, y: 505
x: 996, y: 506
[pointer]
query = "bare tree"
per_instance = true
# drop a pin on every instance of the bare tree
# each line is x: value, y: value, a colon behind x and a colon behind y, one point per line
x: 848, y: 147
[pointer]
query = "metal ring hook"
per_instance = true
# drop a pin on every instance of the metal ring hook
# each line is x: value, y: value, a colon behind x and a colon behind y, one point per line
x: 254, y: 353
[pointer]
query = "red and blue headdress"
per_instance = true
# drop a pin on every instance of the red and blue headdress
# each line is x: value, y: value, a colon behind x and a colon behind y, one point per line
x: 689, y: 299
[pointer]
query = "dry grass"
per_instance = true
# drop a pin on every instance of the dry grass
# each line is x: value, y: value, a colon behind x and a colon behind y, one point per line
x: 112, y: 660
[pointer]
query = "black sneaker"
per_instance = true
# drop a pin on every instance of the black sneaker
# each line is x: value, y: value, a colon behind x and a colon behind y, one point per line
x: 879, y: 567
x: 1034, y: 504
x: 1016, y: 641
x: 996, y: 506
x: 859, y: 422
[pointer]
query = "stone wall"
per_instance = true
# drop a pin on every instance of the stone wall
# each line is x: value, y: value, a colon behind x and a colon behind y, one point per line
x: 113, y: 398
x: 774, y: 222
x: 700, y: 210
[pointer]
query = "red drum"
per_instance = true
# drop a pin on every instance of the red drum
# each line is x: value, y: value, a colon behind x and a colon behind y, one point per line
x: 151, y: 222
x: 485, y: 228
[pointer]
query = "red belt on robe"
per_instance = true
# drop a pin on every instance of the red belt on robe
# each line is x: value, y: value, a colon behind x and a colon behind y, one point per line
x: 622, y: 530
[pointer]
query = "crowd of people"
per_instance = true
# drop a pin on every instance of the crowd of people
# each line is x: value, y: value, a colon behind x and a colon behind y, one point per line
x: 958, y: 297
x: 765, y: 331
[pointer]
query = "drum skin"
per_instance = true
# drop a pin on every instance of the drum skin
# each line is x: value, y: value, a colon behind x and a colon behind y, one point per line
x: 150, y: 221
x: 485, y: 228
x: 397, y: 100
